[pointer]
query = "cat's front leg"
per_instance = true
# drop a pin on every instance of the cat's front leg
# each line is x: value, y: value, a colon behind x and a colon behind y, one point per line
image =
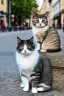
x: 26, y: 83
x: 38, y: 46
x: 43, y: 50
x: 34, y: 88
x: 21, y: 84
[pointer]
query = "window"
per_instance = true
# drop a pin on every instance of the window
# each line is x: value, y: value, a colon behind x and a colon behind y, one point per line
x: 2, y: 1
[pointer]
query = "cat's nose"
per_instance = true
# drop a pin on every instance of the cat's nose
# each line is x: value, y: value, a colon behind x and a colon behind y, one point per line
x: 25, y: 51
x: 40, y: 24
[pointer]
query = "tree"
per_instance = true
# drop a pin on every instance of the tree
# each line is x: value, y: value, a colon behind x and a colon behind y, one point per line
x: 22, y: 9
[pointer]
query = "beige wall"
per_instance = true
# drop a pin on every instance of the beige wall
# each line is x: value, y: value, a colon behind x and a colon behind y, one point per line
x: 61, y: 5
x: 49, y: 8
x: 50, y: 14
x: 3, y: 7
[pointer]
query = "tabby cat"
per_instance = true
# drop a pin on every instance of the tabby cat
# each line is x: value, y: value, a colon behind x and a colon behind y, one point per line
x: 34, y: 67
x: 47, y: 37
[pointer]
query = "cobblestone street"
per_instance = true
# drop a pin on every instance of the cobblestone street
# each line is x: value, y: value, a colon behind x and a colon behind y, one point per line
x: 9, y: 75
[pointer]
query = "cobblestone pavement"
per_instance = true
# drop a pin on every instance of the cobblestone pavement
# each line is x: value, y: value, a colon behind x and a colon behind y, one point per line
x: 9, y: 75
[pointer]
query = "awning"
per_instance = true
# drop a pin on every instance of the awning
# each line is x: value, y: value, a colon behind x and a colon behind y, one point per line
x: 1, y: 17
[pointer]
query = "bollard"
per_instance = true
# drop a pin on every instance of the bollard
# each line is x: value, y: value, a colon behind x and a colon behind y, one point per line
x: 63, y: 29
x: 9, y: 29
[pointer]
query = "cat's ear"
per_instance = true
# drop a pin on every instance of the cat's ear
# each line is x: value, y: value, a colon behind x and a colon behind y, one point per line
x: 18, y: 40
x: 31, y: 39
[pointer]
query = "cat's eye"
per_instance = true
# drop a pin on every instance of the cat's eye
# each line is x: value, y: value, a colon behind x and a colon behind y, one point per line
x: 34, y: 22
x: 37, y: 21
x: 43, y: 21
x: 21, y: 46
x: 46, y: 22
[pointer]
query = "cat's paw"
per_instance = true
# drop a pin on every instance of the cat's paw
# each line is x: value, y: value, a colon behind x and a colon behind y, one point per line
x: 40, y: 89
x: 25, y: 89
x: 34, y: 90
x: 21, y: 85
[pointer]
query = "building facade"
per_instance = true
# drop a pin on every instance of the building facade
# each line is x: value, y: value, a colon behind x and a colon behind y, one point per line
x: 50, y: 13
x: 56, y: 13
x: 62, y: 12
x: 3, y: 9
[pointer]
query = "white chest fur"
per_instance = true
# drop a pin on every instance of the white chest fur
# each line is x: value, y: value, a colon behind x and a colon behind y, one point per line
x: 26, y: 62
x: 36, y: 29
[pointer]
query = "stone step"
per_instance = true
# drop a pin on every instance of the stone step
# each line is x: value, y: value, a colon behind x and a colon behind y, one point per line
x: 57, y: 63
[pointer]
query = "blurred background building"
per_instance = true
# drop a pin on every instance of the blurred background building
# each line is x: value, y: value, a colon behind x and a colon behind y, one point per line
x: 52, y: 9
x: 3, y: 11
x: 55, y: 12
x: 62, y: 12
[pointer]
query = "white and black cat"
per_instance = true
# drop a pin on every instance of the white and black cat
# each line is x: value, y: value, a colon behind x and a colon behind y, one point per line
x: 47, y: 37
x: 34, y: 68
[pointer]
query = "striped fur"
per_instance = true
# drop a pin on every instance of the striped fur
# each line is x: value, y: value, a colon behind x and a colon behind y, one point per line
x: 48, y: 40
x: 41, y: 78
x: 47, y: 37
x: 34, y: 68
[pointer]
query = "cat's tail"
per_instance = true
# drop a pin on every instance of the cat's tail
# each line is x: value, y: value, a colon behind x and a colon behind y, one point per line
x: 53, y: 50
